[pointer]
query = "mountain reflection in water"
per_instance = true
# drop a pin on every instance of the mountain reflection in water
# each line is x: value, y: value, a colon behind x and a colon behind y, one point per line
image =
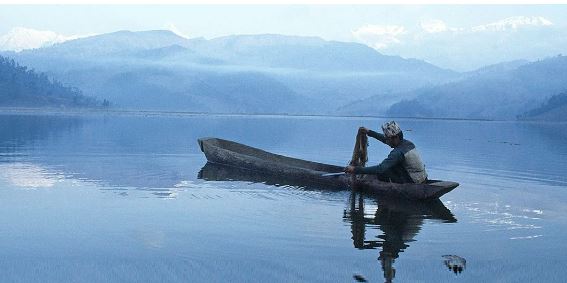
x: 399, y: 220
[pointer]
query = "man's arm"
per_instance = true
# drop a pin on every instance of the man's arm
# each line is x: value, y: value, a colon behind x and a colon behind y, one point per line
x: 377, y: 136
x: 394, y: 158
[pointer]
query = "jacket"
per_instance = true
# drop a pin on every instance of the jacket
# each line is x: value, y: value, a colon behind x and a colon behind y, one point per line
x: 404, y: 155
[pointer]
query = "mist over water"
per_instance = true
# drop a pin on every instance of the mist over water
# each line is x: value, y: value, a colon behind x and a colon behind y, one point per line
x: 119, y: 198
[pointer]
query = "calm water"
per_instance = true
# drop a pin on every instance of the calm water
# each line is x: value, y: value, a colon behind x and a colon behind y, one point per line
x: 119, y: 198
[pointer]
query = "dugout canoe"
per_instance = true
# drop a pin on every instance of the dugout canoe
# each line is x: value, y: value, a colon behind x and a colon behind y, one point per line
x: 297, y: 171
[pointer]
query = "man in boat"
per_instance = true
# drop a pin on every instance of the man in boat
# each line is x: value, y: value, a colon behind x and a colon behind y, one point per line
x: 403, y: 164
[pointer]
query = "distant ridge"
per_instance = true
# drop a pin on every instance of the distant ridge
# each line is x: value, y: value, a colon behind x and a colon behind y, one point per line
x: 498, y: 94
x: 160, y: 70
x: 107, y: 44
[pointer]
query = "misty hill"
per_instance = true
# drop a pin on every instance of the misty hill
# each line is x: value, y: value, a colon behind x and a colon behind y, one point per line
x: 497, y: 68
x: 308, y: 53
x: 380, y: 104
x: 554, y: 109
x: 21, y: 87
x: 116, y: 42
x: 489, y: 95
x: 161, y: 52
x: 160, y: 70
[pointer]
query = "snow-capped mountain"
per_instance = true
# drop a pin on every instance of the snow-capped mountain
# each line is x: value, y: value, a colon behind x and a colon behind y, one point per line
x: 19, y: 38
x: 514, y: 23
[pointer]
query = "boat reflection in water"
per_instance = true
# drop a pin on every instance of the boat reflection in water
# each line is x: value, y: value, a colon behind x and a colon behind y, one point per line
x: 217, y: 172
x: 399, y: 220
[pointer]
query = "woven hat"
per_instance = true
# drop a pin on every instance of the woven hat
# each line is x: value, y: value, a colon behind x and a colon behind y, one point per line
x: 391, y: 129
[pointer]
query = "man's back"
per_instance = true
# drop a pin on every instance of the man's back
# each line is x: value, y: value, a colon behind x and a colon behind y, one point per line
x: 412, y: 162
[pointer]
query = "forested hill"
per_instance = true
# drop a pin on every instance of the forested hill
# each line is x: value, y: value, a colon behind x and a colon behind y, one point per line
x: 23, y: 87
x: 554, y: 109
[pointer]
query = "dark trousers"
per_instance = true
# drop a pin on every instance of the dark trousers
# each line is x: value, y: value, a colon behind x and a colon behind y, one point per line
x: 397, y: 174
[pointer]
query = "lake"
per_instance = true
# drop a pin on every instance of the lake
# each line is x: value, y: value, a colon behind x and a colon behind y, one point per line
x: 122, y: 197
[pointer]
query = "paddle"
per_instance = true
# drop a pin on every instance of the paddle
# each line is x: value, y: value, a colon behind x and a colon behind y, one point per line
x: 333, y: 174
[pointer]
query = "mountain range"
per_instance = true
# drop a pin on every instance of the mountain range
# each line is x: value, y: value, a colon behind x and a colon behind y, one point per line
x: 268, y: 73
x: 503, y: 92
x: 160, y: 70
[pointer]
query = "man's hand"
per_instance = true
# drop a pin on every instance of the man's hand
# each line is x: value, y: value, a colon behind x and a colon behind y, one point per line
x: 364, y: 130
x: 349, y: 169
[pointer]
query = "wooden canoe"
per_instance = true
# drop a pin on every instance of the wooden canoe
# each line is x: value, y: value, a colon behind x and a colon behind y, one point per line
x: 296, y: 171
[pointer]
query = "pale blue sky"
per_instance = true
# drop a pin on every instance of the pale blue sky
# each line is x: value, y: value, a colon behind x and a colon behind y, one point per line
x: 333, y: 22
x: 446, y: 35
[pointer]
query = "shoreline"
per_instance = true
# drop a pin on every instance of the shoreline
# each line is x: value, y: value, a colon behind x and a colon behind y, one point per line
x: 129, y: 112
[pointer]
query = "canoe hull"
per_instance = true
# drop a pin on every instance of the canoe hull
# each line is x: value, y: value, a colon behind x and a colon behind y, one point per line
x: 234, y: 154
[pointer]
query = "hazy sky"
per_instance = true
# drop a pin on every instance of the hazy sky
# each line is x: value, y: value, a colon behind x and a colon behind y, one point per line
x: 424, y: 32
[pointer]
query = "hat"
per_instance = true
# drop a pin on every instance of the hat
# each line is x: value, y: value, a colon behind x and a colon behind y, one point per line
x: 391, y: 129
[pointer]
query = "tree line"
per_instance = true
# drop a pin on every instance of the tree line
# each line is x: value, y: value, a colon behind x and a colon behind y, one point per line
x: 23, y: 87
x: 554, y: 102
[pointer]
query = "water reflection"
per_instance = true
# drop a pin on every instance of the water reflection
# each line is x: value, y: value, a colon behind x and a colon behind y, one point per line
x: 399, y: 220
x: 136, y: 151
x: 509, y: 195
x: 20, y: 131
x: 455, y: 263
x: 218, y: 172
x: 20, y: 136
x: 115, y: 153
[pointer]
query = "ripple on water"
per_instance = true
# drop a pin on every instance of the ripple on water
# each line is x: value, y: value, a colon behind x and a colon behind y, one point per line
x: 513, y: 222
